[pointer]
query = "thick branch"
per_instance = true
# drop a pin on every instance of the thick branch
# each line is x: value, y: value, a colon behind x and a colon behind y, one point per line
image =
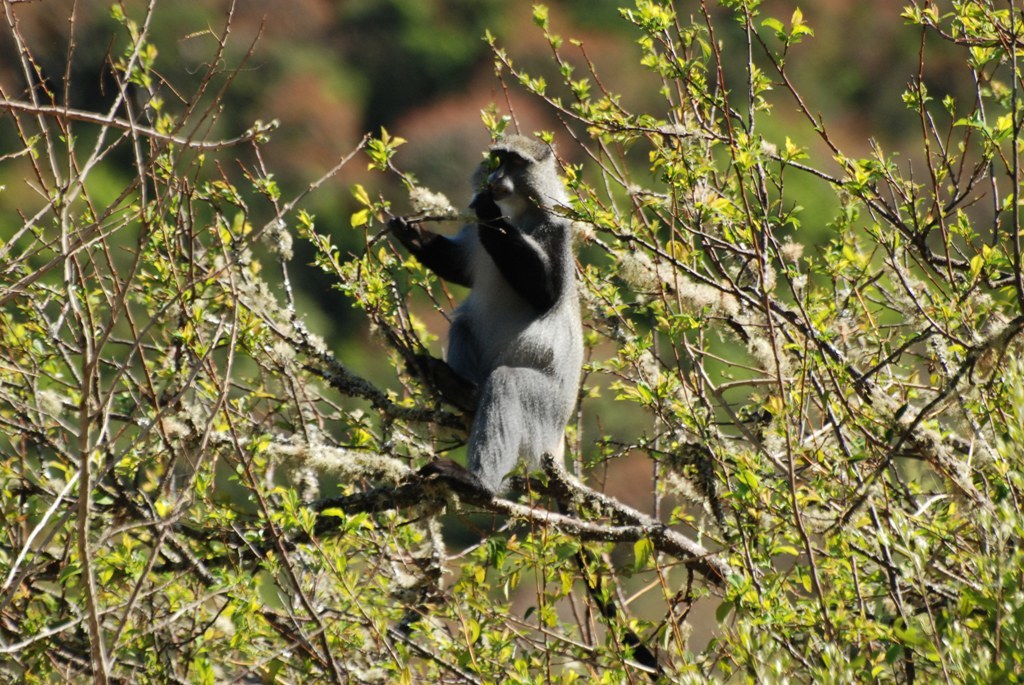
x: 629, y: 524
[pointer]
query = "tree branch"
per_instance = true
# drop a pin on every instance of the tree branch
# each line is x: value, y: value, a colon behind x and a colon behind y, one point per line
x: 629, y: 525
x: 70, y: 114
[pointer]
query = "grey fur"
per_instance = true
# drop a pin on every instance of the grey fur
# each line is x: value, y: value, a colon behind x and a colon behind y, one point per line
x: 525, y: 363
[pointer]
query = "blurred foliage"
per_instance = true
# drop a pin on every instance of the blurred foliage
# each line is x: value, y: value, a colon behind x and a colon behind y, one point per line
x: 800, y: 264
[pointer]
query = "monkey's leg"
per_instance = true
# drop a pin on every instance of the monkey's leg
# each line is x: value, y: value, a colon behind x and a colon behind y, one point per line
x: 518, y: 415
x: 452, y: 471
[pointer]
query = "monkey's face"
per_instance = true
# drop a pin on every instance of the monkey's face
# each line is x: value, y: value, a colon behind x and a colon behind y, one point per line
x: 507, y: 182
x: 504, y: 168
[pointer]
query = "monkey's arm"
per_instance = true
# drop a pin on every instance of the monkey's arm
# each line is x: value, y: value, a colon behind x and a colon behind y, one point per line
x: 524, y: 262
x: 445, y: 257
x: 452, y: 387
x: 524, y: 265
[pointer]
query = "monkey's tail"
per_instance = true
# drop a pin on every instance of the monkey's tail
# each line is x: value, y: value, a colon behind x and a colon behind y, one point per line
x: 587, y: 562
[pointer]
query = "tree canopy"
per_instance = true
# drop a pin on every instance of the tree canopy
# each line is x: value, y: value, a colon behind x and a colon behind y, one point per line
x: 798, y: 449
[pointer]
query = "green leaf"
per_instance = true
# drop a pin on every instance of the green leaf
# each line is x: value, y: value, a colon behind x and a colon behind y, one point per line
x: 643, y: 549
x: 361, y: 195
x: 775, y: 25
x: 540, y: 16
x: 472, y: 630
x: 360, y: 218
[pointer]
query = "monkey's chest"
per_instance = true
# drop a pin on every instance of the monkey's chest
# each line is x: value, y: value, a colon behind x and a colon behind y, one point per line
x: 507, y: 331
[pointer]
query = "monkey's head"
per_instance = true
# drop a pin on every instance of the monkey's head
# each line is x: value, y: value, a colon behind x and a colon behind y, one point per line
x: 520, y: 173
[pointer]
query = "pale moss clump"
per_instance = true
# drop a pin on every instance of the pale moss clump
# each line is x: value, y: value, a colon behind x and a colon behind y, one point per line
x: 774, y: 444
x: 174, y: 428
x: 50, y: 402
x: 584, y: 231
x: 683, y: 487
x: 907, y: 293
x: 432, y: 204
x: 703, y: 194
x: 258, y: 298
x: 764, y: 353
x: 283, y: 353
x: 702, y: 296
x: 343, y: 462
x: 799, y: 283
x: 791, y: 251
x: 279, y: 239
x: 648, y: 367
x: 639, y: 271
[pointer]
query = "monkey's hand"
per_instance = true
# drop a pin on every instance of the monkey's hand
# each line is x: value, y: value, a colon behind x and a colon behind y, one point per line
x: 452, y: 387
x: 487, y: 211
x: 409, y: 233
